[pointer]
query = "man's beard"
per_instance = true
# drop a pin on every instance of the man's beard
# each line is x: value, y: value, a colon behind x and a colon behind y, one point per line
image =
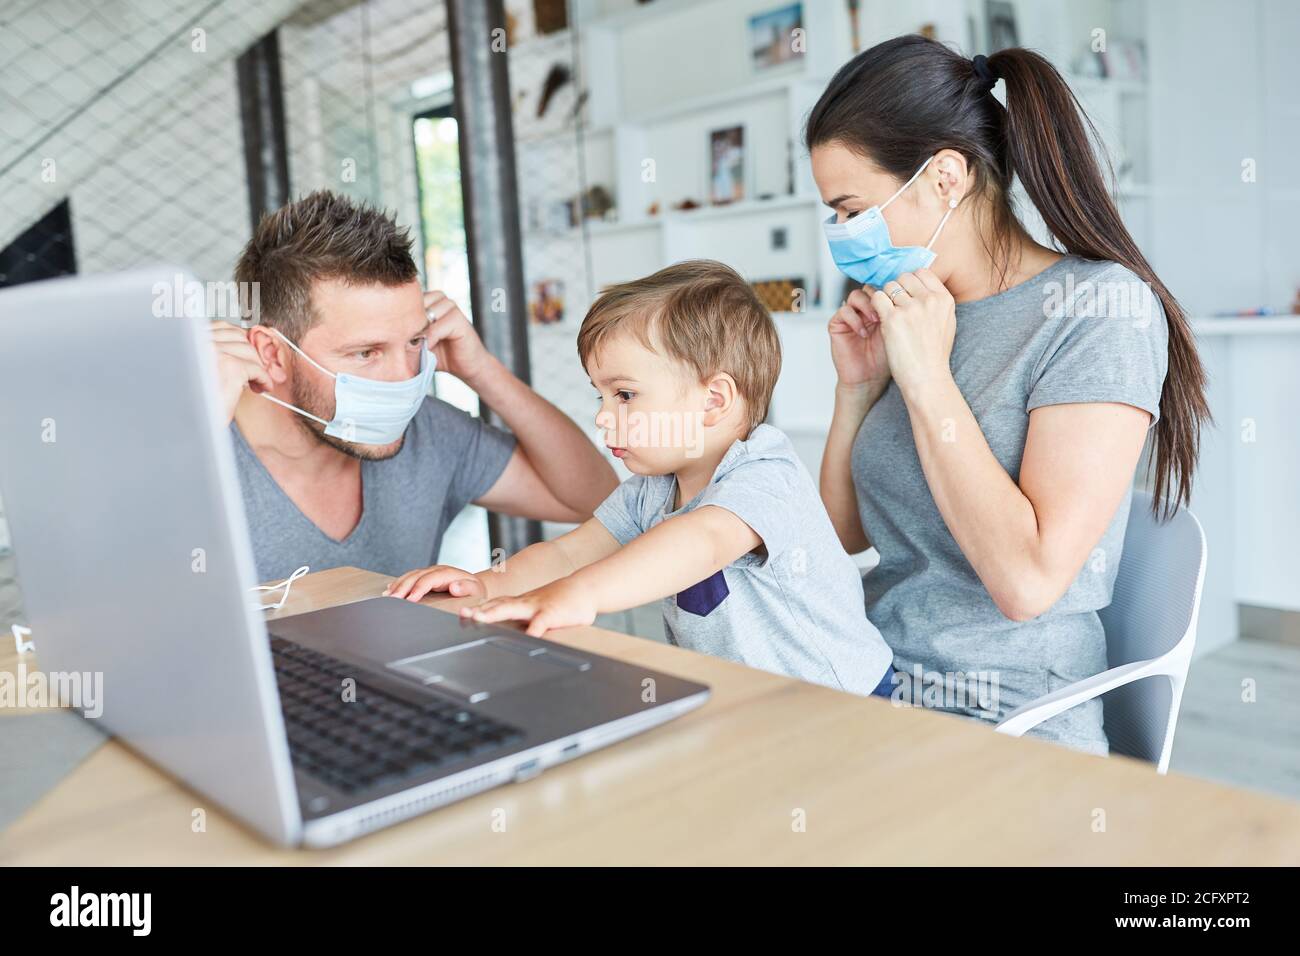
x: 310, y: 399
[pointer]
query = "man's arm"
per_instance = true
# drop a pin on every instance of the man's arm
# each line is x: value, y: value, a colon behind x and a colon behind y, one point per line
x: 668, y: 558
x: 556, y: 473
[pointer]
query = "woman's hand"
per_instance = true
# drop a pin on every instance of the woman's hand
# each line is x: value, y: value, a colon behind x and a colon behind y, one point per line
x: 857, y: 348
x: 917, y: 322
x: 559, y: 604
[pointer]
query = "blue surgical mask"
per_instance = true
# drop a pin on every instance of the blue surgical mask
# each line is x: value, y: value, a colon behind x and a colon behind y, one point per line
x: 863, y: 251
x: 366, y: 410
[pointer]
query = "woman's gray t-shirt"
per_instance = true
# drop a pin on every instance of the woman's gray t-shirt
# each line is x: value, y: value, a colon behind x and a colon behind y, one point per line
x: 1080, y: 331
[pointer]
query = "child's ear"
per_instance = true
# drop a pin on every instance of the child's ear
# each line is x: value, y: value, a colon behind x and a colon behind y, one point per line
x: 720, y: 398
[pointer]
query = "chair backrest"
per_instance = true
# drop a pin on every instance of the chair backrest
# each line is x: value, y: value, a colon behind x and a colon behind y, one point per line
x: 1152, y: 613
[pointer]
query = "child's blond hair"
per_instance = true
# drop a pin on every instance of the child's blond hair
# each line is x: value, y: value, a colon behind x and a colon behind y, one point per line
x: 702, y: 314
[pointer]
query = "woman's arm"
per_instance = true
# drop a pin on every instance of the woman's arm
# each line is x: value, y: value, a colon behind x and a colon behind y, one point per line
x: 862, y: 375
x: 836, y: 480
x: 1026, y: 542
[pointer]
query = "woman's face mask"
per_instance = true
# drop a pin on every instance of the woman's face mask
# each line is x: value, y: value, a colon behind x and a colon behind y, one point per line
x: 368, y: 411
x: 863, y: 251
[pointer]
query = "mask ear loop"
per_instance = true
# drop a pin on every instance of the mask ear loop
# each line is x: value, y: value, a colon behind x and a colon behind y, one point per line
x: 903, y: 187
x: 287, y: 583
x: 952, y: 204
x: 283, y: 404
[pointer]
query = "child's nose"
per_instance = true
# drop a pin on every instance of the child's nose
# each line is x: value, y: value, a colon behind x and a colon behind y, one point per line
x: 605, y: 419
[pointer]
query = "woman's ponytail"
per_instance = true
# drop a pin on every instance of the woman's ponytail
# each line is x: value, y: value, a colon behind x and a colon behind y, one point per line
x: 1049, y: 147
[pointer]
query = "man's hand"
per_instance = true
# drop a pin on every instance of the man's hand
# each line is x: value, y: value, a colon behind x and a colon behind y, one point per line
x: 453, y: 340
x: 559, y: 604
x: 238, y: 366
x: 414, y: 585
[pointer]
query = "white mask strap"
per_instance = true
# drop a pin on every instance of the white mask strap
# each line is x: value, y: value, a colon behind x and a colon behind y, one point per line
x: 293, y: 346
x: 900, y: 188
x: 287, y: 583
x: 295, y: 408
x: 952, y: 204
x: 292, y: 408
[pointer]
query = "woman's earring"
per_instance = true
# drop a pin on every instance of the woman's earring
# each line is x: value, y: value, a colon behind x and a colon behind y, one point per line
x: 952, y: 204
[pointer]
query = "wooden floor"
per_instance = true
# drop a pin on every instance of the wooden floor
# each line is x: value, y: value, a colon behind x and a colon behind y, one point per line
x: 1220, y: 736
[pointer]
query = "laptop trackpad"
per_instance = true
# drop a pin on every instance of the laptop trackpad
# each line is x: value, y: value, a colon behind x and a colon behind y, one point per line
x: 480, y: 669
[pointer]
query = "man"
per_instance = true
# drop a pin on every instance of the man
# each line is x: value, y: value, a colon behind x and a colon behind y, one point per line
x: 342, y: 458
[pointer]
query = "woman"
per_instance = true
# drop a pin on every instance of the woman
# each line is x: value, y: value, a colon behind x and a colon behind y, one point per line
x: 990, y: 412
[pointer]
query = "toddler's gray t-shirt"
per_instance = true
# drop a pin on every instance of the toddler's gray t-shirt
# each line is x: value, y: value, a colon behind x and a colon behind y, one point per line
x: 794, y: 608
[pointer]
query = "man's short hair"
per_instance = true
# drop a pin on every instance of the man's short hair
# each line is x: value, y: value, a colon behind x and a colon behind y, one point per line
x: 700, y: 313
x: 319, y: 236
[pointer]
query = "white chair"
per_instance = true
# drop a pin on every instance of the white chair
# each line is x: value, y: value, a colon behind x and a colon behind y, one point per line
x: 1150, y: 631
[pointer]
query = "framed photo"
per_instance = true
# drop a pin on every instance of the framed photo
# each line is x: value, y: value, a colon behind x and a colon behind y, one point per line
x: 727, y: 165
x: 546, y: 305
x: 1001, y: 23
x: 772, y: 40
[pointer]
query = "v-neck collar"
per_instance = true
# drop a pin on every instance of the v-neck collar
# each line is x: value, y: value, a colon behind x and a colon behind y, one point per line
x: 336, y: 542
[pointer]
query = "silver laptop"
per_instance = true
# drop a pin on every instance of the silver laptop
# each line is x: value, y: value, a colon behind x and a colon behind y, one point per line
x: 119, y: 484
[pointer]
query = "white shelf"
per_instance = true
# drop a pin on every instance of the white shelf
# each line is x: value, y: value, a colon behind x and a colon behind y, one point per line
x: 1102, y: 83
x: 745, y: 207
x: 634, y: 15
x: 756, y: 89
x: 562, y: 135
x: 1247, y: 325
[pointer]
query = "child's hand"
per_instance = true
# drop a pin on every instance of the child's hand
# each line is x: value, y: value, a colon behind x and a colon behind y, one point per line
x: 414, y: 585
x: 560, y: 604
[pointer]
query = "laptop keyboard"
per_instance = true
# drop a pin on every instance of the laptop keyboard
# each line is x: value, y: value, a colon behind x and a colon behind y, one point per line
x: 378, y: 738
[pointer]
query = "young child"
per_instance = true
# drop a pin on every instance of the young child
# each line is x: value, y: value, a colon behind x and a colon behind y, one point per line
x: 719, y: 518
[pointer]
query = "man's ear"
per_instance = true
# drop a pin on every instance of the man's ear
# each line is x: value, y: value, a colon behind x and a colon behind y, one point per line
x: 720, y: 397
x: 272, y: 352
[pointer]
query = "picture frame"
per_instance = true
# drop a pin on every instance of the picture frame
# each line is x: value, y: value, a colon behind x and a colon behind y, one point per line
x: 727, y: 180
x: 772, y: 45
x: 1000, y: 25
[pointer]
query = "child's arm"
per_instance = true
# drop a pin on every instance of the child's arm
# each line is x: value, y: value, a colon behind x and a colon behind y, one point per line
x: 536, y: 565
x: 668, y: 558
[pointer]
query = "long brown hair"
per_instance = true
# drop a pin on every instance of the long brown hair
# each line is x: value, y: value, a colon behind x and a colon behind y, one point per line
x: 903, y: 100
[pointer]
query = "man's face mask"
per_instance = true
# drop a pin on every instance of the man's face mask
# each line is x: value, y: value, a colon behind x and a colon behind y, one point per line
x: 368, y: 411
x: 863, y: 251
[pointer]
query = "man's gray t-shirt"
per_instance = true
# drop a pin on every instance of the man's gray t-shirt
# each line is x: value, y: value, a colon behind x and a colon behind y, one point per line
x: 449, y: 458
x: 795, y: 609
x: 1080, y: 331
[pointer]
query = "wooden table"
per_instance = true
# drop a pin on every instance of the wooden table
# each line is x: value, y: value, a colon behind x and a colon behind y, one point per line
x: 729, y: 783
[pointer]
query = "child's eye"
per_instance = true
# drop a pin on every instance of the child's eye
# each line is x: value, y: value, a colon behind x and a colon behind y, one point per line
x: 623, y: 395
